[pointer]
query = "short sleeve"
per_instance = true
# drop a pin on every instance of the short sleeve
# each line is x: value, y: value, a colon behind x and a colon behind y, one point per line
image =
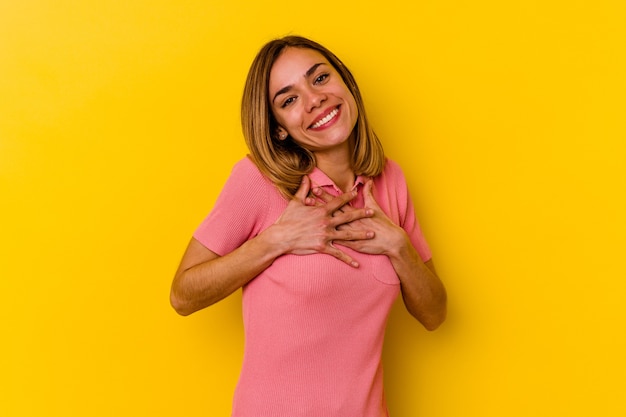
x: 413, y: 229
x: 239, y: 212
x: 406, y: 210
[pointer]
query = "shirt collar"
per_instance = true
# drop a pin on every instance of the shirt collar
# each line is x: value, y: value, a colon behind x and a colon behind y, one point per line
x: 320, y: 179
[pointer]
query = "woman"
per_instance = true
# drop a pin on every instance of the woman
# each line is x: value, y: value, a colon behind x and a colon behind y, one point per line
x: 318, y: 228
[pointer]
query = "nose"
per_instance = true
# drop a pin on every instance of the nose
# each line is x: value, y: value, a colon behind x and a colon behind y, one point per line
x: 314, y: 99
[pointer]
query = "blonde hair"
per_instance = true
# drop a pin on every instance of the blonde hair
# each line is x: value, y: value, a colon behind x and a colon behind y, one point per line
x: 284, y: 162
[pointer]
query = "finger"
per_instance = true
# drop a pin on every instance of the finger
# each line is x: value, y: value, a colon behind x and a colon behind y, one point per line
x: 349, y: 216
x: 303, y: 190
x: 312, y: 200
x: 351, y: 244
x: 346, y: 235
x: 323, y: 195
x: 368, y: 195
x: 342, y: 256
x: 338, y: 202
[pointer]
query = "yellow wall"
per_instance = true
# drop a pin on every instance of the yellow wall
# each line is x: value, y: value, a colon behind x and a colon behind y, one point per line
x: 119, y: 124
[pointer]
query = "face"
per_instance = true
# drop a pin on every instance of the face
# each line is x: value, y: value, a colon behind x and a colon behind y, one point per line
x: 310, y: 100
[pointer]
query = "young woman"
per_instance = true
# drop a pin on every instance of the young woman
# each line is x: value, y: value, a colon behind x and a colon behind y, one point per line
x: 318, y: 228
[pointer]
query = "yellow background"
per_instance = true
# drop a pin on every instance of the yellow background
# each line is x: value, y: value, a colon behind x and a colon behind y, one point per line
x: 119, y: 125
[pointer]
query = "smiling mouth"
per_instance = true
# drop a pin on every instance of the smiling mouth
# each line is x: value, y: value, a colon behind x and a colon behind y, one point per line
x: 330, y: 116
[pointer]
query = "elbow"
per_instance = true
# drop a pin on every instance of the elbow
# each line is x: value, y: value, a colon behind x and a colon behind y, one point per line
x: 179, y: 300
x: 185, y: 304
x: 180, y: 305
x: 433, y: 322
x: 438, y: 312
x: 434, y: 317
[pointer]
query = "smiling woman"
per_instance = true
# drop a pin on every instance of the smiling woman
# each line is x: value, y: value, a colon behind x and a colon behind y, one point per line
x: 317, y: 183
x: 284, y: 161
x: 313, y: 106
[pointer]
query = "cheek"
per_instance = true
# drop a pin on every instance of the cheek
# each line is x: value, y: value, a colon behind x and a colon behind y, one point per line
x: 288, y: 120
x: 351, y: 102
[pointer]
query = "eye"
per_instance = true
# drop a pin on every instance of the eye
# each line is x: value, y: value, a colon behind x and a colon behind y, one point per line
x: 321, y: 78
x: 287, y: 102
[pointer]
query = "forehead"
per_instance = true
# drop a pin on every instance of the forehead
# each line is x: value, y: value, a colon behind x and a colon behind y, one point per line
x: 291, y: 66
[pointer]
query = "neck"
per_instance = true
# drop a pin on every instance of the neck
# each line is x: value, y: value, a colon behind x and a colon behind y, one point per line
x: 337, y: 167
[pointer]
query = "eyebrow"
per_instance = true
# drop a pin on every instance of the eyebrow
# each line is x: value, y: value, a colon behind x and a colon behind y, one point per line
x: 289, y: 87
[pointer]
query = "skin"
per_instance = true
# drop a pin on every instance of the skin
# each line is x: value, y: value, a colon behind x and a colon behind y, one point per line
x: 423, y: 292
x: 204, y: 278
x: 304, y: 89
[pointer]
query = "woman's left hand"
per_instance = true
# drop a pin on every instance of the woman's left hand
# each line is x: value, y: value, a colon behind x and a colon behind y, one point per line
x: 422, y: 291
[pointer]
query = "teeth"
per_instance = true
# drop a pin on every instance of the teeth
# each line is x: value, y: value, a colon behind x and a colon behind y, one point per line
x: 326, y: 119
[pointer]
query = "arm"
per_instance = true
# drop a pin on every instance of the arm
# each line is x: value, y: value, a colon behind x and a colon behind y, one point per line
x: 204, y: 277
x: 422, y: 291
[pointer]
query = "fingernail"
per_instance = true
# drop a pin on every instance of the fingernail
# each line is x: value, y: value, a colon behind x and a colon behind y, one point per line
x: 354, y: 264
x: 370, y: 234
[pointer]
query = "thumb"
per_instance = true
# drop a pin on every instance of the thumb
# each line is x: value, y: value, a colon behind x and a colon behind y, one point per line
x: 303, y: 190
x: 368, y: 195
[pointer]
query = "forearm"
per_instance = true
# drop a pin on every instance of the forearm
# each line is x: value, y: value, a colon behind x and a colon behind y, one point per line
x: 203, y: 278
x: 422, y: 291
x: 202, y: 284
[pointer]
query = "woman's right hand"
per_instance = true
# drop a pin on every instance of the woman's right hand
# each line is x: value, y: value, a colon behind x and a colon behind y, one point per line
x: 203, y: 277
x: 304, y: 228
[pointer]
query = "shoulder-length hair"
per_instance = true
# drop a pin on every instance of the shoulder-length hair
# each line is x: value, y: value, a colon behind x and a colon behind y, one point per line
x: 284, y: 162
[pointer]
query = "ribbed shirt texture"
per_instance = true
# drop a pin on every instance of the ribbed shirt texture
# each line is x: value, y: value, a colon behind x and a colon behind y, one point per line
x: 314, y: 326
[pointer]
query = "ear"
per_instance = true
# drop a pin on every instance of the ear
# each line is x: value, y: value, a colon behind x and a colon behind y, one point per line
x: 281, y: 133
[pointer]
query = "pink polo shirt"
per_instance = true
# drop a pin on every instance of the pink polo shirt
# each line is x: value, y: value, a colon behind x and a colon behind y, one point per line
x: 314, y: 326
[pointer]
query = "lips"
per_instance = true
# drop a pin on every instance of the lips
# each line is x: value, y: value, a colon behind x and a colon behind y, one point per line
x: 325, y: 118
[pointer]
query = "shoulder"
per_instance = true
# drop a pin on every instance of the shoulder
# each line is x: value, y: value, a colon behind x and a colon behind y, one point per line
x: 245, y: 187
x: 246, y: 174
x: 392, y: 166
x: 392, y: 173
x: 245, y: 167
